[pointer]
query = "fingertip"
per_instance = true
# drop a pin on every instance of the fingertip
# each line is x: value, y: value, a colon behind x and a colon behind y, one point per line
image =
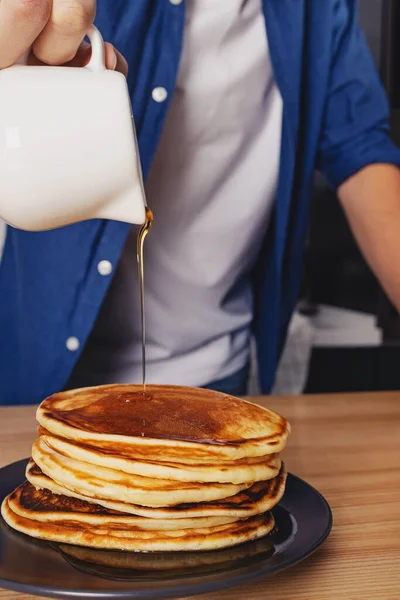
x: 122, y: 64
x: 114, y: 60
x: 111, y: 57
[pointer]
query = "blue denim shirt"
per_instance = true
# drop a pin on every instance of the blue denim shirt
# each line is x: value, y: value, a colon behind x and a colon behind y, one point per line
x: 335, y: 119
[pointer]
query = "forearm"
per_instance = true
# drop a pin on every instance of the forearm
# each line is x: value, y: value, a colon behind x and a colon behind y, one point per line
x: 371, y: 201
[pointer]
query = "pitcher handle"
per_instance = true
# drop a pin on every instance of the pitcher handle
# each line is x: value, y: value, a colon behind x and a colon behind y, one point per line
x: 98, y: 59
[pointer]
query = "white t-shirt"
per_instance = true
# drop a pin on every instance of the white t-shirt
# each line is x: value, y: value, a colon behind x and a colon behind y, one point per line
x: 211, y: 187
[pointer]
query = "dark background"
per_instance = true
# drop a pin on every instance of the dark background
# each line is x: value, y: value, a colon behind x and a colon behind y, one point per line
x: 334, y: 270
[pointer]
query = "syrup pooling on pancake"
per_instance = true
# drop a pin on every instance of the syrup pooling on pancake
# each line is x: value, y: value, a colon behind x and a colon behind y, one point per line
x: 167, y: 419
x: 170, y: 413
x: 175, y: 469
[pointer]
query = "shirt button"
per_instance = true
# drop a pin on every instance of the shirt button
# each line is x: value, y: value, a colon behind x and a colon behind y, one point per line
x: 159, y: 94
x: 72, y: 344
x: 104, y: 267
x: 176, y: 2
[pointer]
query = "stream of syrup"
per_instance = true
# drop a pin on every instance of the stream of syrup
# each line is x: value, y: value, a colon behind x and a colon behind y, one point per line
x: 140, y: 244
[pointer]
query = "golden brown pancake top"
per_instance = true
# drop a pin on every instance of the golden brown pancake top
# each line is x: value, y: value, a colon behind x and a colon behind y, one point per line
x: 163, y: 412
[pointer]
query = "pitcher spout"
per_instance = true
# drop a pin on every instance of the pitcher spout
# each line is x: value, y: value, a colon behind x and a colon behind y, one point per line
x: 129, y: 207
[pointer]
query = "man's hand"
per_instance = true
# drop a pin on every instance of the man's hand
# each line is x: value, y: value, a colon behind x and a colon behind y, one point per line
x: 371, y: 200
x: 54, y: 29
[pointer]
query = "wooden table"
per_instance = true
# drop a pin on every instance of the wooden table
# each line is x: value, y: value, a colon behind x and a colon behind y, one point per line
x: 348, y: 447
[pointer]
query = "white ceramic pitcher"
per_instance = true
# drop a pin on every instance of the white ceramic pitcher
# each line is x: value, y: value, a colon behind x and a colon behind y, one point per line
x: 68, y: 149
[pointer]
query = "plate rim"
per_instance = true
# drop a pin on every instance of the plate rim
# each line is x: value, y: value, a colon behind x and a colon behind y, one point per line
x: 179, y: 591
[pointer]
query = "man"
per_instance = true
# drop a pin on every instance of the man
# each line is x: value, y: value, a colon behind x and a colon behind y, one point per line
x: 235, y: 103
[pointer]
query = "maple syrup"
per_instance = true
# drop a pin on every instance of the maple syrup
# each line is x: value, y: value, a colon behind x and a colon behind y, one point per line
x: 140, y: 244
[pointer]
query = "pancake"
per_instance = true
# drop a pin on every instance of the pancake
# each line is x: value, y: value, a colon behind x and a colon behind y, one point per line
x: 173, y: 422
x: 125, y: 565
x: 42, y: 505
x: 254, y: 469
x: 120, y: 537
x: 99, y: 482
x: 123, y: 451
x: 260, y: 497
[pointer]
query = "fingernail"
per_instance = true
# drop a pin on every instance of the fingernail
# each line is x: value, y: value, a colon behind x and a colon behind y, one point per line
x: 114, y: 62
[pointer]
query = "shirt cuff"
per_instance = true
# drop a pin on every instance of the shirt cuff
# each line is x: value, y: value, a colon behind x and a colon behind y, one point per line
x: 366, y: 149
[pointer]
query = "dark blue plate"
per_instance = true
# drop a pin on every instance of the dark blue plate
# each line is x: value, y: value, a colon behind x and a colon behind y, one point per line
x: 303, y: 521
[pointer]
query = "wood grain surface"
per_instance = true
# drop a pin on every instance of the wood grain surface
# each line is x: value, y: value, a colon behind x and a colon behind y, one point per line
x: 348, y: 447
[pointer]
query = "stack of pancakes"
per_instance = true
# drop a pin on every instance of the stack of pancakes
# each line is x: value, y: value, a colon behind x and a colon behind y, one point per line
x: 168, y: 469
